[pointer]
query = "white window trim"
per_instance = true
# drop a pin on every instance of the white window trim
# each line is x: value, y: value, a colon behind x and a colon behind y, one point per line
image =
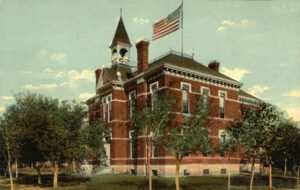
x: 221, y: 91
x: 155, y: 83
x: 221, y: 131
x: 190, y: 90
x: 130, y: 143
x: 130, y: 93
x: 184, y: 83
x: 109, y: 105
x: 202, y: 89
x: 151, y: 92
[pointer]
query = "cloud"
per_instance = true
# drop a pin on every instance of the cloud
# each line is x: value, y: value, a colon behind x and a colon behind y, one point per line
x: 6, y: 98
x: 244, y: 22
x: 257, y: 90
x: 140, y: 20
x: 43, y: 52
x: 48, y: 70
x: 227, y: 22
x: 221, y: 28
x: 53, y: 55
x: 58, y: 56
x: 236, y: 73
x: 59, y: 75
x: 2, y: 109
x: 84, y: 74
x: 41, y: 86
x: 63, y: 84
x: 292, y: 111
x: 293, y: 93
x: 85, y: 96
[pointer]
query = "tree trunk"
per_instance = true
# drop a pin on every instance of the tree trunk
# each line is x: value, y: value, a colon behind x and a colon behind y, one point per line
x: 149, y: 167
x: 177, y: 174
x: 17, y: 169
x: 74, y: 167
x: 298, y: 176
x: 229, y: 180
x: 285, y: 167
x: 270, y: 175
x: 55, y: 174
x: 38, y: 168
x: 252, y: 174
x: 9, y: 170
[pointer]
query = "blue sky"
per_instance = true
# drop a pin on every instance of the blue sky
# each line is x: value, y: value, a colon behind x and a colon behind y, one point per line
x: 54, y: 46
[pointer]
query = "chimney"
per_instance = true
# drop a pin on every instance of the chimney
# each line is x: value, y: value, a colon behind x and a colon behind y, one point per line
x: 214, y: 65
x: 98, y: 72
x: 142, y: 54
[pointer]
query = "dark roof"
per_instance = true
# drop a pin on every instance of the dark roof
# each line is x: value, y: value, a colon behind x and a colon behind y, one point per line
x: 110, y: 74
x: 247, y: 95
x: 188, y: 63
x: 120, y: 35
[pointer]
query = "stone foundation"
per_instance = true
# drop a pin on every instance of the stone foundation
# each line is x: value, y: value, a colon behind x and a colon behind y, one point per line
x: 185, y: 169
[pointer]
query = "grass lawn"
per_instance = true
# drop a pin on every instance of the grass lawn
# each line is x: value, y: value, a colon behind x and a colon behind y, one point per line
x: 129, y: 182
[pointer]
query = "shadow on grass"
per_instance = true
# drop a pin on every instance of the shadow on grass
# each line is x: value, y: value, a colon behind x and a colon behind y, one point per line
x: 63, y: 180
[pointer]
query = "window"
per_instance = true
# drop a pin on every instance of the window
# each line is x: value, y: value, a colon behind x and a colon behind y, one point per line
x: 104, y: 109
x: 132, y: 144
x: 205, y: 171
x: 223, y: 171
x: 153, y: 91
x: 222, y: 104
x: 205, y: 93
x: 132, y: 99
x: 184, y: 130
x: 222, y: 136
x: 185, y: 97
x: 108, y: 136
x: 109, y: 108
x: 106, y: 101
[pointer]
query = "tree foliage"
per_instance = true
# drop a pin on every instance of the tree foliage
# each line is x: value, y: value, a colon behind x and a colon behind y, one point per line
x: 189, y: 137
x: 39, y: 129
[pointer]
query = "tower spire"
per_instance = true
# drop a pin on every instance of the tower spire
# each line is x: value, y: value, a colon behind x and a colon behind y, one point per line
x: 120, y: 45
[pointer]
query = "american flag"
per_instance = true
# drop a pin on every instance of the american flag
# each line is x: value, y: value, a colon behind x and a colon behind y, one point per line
x: 168, y: 24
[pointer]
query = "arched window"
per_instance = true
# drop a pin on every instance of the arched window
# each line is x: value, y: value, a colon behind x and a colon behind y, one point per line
x: 123, y: 52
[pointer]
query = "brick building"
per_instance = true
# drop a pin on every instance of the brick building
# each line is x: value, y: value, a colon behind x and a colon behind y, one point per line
x: 120, y: 88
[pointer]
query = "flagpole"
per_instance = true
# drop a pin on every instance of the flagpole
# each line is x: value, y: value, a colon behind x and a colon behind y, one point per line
x: 182, y: 28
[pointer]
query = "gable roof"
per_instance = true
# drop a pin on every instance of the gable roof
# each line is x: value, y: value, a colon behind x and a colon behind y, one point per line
x: 120, y: 34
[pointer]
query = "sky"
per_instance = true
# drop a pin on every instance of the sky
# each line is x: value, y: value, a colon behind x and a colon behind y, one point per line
x: 53, y: 47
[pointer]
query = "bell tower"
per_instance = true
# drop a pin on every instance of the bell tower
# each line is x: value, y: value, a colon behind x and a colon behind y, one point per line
x: 120, y: 46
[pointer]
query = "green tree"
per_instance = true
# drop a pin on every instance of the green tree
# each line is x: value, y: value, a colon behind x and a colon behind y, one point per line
x: 151, y: 122
x: 189, y: 137
x: 255, y: 133
x: 287, y: 134
x: 95, y: 134
x: 11, y: 138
